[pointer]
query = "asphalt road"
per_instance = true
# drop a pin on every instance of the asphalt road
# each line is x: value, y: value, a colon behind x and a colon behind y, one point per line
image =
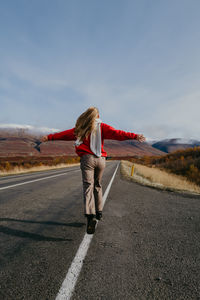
x: 146, y: 247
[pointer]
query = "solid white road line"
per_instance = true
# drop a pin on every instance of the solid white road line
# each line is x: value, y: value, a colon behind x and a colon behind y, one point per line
x: 30, y: 174
x: 70, y: 280
x: 40, y: 179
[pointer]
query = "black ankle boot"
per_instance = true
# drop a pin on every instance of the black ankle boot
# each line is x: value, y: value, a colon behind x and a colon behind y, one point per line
x: 91, y: 224
x: 99, y: 215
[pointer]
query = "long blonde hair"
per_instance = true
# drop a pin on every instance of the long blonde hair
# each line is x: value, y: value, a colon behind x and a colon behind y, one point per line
x: 85, y: 123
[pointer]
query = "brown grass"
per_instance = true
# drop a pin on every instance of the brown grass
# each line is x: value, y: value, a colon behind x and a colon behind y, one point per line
x: 182, y: 162
x: 157, y: 178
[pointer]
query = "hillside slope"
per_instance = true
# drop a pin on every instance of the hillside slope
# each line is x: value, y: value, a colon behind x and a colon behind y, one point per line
x: 182, y: 162
x: 28, y: 145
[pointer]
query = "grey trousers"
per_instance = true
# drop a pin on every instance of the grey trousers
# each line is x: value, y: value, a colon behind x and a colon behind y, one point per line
x: 92, y: 168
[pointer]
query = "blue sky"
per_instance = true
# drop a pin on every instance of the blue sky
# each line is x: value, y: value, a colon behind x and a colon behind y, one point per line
x: 137, y: 61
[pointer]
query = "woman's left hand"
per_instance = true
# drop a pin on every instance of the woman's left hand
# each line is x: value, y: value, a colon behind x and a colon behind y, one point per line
x: 44, y: 138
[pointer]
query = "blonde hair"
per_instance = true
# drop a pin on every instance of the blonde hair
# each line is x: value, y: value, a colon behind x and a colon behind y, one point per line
x: 85, y: 123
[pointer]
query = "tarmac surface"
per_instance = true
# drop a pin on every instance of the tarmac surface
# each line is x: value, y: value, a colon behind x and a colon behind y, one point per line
x: 146, y: 247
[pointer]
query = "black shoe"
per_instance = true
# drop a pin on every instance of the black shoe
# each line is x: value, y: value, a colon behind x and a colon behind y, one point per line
x: 91, y: 224
x: 99, y: 215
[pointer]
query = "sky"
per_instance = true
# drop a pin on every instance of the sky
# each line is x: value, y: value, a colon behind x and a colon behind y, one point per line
x: 138, y: 61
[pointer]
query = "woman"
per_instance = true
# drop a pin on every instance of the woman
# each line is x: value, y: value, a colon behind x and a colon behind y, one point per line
x: 89, y: 134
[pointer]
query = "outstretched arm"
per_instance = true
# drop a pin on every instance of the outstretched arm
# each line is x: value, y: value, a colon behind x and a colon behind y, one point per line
x: 111, y: 133
x: 67, y: 135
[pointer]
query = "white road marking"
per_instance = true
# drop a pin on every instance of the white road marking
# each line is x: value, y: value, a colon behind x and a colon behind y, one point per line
x: 70, y: 280
x: 40, y: 179
x: 31, y: 174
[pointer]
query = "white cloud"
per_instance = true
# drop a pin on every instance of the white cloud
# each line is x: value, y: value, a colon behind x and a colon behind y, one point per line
x: 182, y: 115
x: 36, y: 76
x: 131, y: 107
x: 29, y: 128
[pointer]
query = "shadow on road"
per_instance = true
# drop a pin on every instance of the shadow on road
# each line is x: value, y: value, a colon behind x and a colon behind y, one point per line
x: 74, y: 224
x: 33, y: 236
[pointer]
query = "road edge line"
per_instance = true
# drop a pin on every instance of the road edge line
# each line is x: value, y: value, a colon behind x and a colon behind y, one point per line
x: 35, y: 180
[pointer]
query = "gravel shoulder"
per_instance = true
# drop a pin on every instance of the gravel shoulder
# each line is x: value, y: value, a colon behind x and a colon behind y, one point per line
x: 159, y: 179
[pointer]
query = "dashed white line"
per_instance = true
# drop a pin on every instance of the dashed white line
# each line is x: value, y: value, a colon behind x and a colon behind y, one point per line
x: 70, y: 280
x: 39, y: 179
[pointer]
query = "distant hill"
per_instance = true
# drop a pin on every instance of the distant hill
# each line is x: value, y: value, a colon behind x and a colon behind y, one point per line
x: 171, y: 145
x: 20, y: 143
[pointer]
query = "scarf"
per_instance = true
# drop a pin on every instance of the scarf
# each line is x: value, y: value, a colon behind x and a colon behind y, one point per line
x: 95, y: 139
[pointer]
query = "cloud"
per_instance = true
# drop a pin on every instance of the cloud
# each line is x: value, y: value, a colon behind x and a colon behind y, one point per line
x: 128, y: 106
x: 182, y: 115
x: 28, y: 128
x: 35, y: 76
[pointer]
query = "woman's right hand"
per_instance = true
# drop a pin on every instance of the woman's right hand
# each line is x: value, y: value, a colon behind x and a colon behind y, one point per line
x: 44, y: 138
x: 140, y: 138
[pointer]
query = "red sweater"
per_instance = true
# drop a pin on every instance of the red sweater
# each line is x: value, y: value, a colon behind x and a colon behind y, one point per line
x: 107, y: 132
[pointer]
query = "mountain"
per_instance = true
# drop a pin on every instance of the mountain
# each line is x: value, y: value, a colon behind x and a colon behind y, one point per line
x: 17, y: 129
x: 19, y: 142
x: 130, y: 148
x: 171, y: 145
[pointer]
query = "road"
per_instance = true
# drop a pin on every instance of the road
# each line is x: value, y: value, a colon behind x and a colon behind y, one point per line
x: 146, y: 247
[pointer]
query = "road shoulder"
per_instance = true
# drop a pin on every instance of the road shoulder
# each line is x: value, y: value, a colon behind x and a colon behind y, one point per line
x: 145, y: 248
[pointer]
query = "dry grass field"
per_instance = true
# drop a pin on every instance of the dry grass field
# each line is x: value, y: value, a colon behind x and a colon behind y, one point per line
x: 157, y: 178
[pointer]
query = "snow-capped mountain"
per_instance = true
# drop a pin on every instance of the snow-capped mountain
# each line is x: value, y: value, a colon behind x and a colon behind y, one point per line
x: 170, y: 145
x: 27, y: 129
